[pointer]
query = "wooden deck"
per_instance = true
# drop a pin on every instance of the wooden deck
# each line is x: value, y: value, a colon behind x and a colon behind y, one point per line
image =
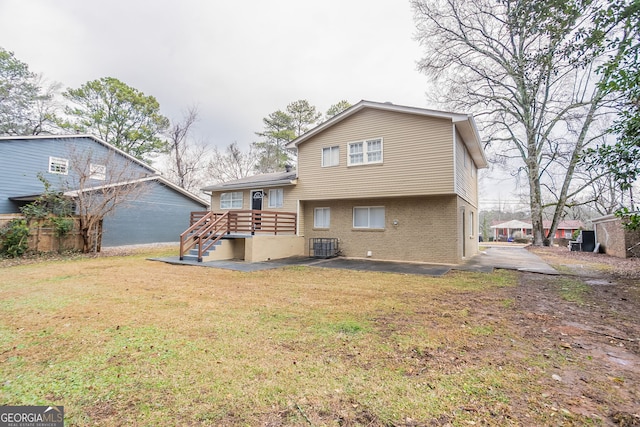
x: 208, y: 227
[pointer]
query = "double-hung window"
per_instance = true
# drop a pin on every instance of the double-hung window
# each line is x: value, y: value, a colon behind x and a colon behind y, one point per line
x: 368, y: 217
x: 231, y: 200
x: 330, y: 156
x: 321, y: 217
x: 276, y: 198
x: 58, y: 165
x: 365, y: 152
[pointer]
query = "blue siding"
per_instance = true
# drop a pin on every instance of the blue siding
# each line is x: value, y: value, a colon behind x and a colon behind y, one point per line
x: 22, y: 159
x: 160, y: 215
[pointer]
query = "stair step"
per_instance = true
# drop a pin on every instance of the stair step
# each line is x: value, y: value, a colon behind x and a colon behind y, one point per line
x: 194, y: 252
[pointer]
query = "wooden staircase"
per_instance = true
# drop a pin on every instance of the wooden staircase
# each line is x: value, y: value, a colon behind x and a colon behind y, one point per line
x: 201, y: 237
x: 209, y: 228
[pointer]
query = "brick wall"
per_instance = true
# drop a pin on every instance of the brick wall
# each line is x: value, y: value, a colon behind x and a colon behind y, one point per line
x: 615, y: 240
x: 424, y: 229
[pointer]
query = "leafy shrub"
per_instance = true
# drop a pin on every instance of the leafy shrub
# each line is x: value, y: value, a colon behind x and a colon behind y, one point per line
x: 14, y: 238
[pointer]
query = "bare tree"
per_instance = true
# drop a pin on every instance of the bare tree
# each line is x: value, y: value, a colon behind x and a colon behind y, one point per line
x: 186, y: 158
x: 232, y: 164
x: 45, y: 109
x: 99, y: 184
x: 510, y: 63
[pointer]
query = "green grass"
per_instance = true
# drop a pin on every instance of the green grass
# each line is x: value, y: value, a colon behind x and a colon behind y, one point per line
x: 572, y: 289
x: 125, y: 341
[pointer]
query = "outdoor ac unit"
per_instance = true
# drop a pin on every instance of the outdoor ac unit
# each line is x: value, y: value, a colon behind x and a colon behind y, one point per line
x: 323, y: 247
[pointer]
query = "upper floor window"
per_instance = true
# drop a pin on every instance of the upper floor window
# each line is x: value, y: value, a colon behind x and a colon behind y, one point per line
x: 365, y: 152
x: 231, y: 200
x: 368, y: 217
x: 98, y: 172
x: 58, y: 165
x: 276, y: 198
x: 330, y: 156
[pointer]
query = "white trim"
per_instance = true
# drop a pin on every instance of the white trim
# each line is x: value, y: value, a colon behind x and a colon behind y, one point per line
x: 251, y: 193
x: 231, y: 200
x: 353, y: 217
x: 160, y: 179
x: 269, y: 205
x: 330, y: 152
x: 314, y: 217
x: 455, y: 160
x: 365, y: 151
x: 58, y: 163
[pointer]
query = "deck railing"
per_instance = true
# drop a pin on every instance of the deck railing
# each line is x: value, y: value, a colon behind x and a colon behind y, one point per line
x: 208, y: 227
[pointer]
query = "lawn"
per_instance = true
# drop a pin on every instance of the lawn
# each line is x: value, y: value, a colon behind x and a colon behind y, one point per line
x: 126, y: 341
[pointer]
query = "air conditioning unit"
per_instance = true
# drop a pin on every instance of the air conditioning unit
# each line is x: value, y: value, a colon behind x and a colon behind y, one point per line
x: 323, y: 247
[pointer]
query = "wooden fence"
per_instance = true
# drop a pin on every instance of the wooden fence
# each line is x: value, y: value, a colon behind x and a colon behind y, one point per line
x: 42, y: 235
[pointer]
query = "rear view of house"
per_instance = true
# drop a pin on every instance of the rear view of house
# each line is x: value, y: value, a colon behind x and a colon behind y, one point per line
x: 377, y: 181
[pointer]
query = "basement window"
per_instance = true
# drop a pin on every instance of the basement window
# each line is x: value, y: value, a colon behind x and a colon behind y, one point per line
x: 368, y: 217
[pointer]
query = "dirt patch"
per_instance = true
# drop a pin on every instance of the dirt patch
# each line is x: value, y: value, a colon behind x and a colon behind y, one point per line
x: 600, y: 331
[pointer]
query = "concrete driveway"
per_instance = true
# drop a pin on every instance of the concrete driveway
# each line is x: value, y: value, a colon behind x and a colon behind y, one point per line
x: 505, y: 257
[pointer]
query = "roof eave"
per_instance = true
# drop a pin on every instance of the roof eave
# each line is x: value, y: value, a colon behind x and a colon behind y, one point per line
x: 386, y: 106
x: 249, y: 185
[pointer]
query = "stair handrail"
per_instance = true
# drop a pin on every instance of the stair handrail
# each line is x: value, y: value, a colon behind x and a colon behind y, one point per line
x: 190, y: 233
x: 212, y: 233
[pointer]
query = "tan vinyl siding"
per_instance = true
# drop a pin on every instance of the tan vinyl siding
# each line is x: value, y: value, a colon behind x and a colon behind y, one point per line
x: 417, y: 158
x: 290, y: 202
x: 466, y: 173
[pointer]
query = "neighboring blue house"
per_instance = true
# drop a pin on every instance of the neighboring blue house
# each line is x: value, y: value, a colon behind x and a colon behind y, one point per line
x: 159, y: 214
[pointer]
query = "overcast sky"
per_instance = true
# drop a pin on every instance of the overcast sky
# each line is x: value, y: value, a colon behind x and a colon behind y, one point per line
x: 237, y: 61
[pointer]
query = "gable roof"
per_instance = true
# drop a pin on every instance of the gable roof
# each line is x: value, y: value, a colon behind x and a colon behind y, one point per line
x: 275, y: 179
x: 160, y: 179
x: 85, y: 136
x: 464, y: 123
x: 156, y: 174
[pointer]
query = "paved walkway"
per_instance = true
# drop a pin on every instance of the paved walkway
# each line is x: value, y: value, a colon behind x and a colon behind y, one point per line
x: 508, y: 258
x: 505, y: 257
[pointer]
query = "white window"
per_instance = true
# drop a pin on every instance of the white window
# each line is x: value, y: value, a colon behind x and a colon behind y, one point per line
x: 58, y: 165
x: 330, y: 156
x: 98, y: 172
x: 231, y: 200
x: 321, y: 217
x: 276, y: 198
x: 368, y: 217
x: 365, y: 152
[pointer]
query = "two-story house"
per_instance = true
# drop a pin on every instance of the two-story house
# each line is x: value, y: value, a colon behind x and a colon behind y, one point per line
x: 157, y: 214
x: 384, y: 181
